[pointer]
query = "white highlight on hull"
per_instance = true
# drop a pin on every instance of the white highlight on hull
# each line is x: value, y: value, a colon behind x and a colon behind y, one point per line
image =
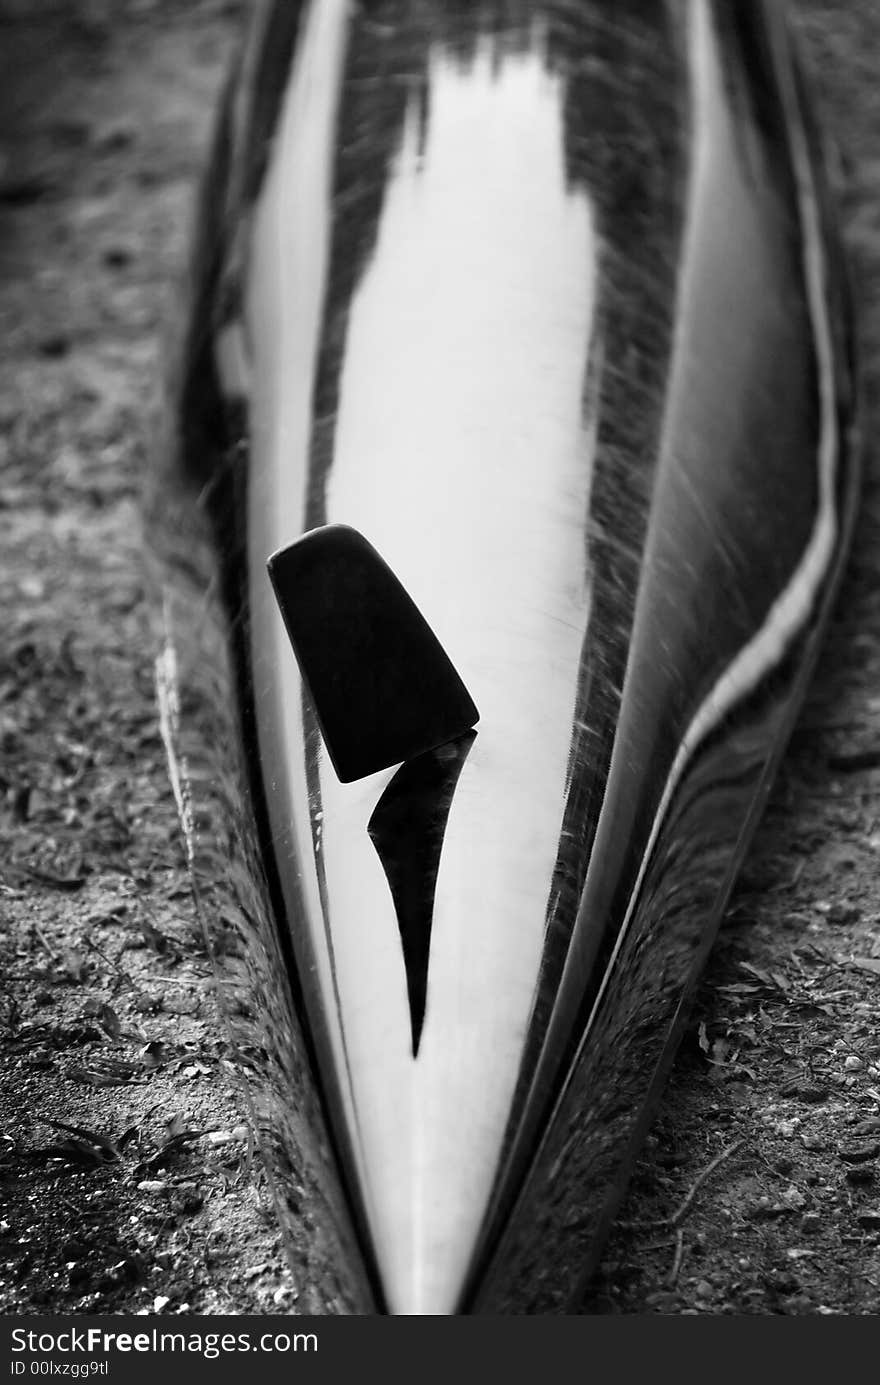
x: 792, y: 609
x: 283, y: 319
x: 463, y: 454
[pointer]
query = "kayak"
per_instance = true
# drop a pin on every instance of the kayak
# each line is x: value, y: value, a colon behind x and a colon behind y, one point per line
x: 517, y: 381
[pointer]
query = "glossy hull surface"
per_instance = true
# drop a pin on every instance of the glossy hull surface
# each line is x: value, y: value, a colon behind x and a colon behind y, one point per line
x: 540, y: 298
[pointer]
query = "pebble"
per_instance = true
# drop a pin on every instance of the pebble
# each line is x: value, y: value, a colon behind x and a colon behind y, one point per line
x: 806, y: 1091
x: 180, y: 1004
x: 797, y: 1303
x: 853, y: 1063
x: 843, y: 914
x: 861, y: 1174
x: 859, y: 1154
x: 664, y: 1300
x: 188, y: 1199
x: 152, y: 1185
x: 813, y: 1142
x: 764, y: 1209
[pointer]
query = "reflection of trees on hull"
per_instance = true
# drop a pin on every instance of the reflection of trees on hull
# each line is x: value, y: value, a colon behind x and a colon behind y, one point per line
x: 572, y: 1192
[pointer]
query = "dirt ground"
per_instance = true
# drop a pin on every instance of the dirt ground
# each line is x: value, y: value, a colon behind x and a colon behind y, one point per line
x: 130, y: 1180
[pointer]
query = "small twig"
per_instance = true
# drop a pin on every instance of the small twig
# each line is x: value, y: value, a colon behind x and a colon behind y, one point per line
x: 785, y: 1178
x: 117, y: 967
x: 795, y: 876
x: 677, y: 1258
x: 45, y: 941
x: 684, y: 1206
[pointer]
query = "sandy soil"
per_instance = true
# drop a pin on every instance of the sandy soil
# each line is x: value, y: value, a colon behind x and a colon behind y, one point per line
x: 129, y: 1176
x: 155, y: 1200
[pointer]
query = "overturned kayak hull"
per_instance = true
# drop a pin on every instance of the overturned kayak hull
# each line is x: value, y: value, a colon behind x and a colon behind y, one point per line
x: 544, y: 305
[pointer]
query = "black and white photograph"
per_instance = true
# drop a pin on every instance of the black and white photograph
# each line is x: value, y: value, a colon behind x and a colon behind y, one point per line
x: 440, y: 660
